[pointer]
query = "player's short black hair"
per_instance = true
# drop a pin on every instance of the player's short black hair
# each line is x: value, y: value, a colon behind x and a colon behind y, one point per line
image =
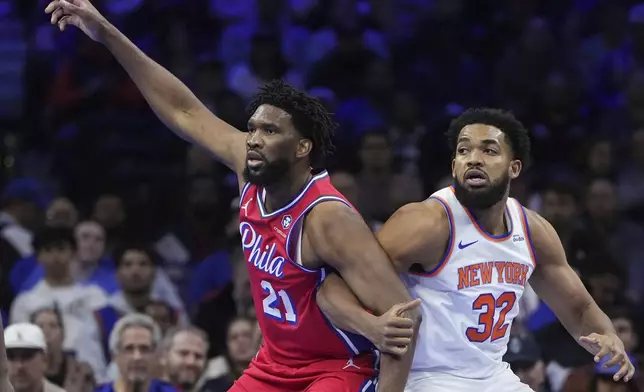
x: 309, y: 116
x: 54, y: 237
x: 516, y: 134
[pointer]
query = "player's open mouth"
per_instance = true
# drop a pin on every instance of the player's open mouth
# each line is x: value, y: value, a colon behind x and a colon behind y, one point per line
x: 475, y: 178
x: 254, y: 159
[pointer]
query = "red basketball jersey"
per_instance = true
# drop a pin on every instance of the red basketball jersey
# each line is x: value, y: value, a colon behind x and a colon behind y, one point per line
x: 295, y: 331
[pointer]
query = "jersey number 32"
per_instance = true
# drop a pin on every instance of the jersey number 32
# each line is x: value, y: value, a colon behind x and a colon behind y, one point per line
x: 490, y: 329
x: 272, y: 300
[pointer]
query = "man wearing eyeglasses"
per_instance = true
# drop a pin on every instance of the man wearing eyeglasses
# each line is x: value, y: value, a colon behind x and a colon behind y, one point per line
x: 25, y: 347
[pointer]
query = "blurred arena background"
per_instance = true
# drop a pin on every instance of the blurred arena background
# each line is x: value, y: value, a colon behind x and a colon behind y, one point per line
x: 83, y: 159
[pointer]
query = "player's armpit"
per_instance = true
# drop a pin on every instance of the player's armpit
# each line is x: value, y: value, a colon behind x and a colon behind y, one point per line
x: 416, y: 233
x: 557, y: 284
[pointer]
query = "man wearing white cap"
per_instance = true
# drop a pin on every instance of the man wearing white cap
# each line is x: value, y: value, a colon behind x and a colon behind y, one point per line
x: 27, y: 363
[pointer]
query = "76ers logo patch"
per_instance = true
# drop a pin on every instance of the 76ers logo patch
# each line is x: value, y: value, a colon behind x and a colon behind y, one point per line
x: 286, y: 222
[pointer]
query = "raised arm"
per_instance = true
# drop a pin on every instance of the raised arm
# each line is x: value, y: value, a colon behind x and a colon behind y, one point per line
x: 175, y: 105
x: 562, y: 290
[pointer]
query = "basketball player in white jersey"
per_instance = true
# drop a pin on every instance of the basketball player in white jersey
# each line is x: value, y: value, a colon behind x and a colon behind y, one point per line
x: 468, y: 251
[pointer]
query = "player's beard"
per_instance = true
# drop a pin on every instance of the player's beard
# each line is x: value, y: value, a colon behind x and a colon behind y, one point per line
x: 483, y: 198
x: 268, y: 174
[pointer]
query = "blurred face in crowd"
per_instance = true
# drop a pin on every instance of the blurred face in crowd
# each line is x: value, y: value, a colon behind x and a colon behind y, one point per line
x: 375, y: 153
x: 559, y: 208
x: 56, y: 260
x: 26, y: 369
x: 185, y: 360
x: 626, y: 332
x: 135, y: 356
x: 558, y: 94
x: 52, y: 327
x: 483, y: 166
x: 604, y: 288
x: 90, y: 242
x: 346, y: 184
x: 601, y: 201
x: 406, y: 109
x: 109, y: 211
x: 162, y: 314
x: 273, y: 146
x: 240, y: 342
x: 135, y: 272
x: 61, y: 213
x: 600, y: 158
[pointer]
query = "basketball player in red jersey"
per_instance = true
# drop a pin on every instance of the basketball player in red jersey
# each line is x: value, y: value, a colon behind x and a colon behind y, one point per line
x: 463, y: 337
x: 293, y: 225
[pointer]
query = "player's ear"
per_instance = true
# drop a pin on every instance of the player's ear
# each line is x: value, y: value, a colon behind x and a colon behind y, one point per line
x: 454, y: 168
x: 515, y: 169
x: 304, y: 148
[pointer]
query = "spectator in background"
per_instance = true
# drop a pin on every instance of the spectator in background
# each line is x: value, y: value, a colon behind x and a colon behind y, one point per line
x: 378, y: 177
x: 162, y: 314
x: 26, y: 348
x: 88, y: 265
x: 62, y: 367
x: 109, y: 212
x: 525, y: 360
x: 135, y: 273
x: 55, y: 249
x: 241, y: 345
x: 22, y: 203
x: 61, y: 213
x: 134, y: 344
x: 184, y: 357
x: 599, y: 161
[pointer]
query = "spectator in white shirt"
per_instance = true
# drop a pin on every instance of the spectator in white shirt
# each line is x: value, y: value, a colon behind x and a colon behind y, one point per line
x: 55, y: 249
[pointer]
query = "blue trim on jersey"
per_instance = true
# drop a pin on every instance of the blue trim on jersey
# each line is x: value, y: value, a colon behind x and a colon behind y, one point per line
x: 260, y: 198
x: 528, y: 233
x: 356, y: 344
x: 503, y: 236
x: 297, y: 227
x: 369, y: 385
x: 243, y: 193
x: 451, y: 239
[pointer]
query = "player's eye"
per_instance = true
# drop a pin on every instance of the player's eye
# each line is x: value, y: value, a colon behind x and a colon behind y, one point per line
x: 462, y: 150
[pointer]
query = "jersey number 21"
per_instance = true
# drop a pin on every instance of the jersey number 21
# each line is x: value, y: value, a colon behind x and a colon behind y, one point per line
x: 490, y: 329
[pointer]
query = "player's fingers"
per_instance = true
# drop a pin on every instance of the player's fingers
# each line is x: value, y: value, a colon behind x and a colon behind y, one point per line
x: 395, y: 350
x: 398, y: 342
x: 590, y: 339
x: 399, y: 332
x: 617, y: 358
x: 68, y: 6
x: 57, y: 15
x: 605, y: 350
x: 631, y: 372
x: 73, y: 20
x: 400, y: 322
x: 622, y: 371
x: 51, y: 7
x: 407, y: 306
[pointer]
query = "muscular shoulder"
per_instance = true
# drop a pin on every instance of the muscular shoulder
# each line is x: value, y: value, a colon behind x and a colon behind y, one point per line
x: 416, y: 233
x: 543, y: 236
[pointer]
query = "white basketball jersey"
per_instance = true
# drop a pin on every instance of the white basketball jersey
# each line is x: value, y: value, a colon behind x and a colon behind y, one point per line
x: 471, y: 297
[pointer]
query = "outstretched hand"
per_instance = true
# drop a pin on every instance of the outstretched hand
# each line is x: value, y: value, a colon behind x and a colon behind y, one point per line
x: 79, y: 13
x: 603, y: 345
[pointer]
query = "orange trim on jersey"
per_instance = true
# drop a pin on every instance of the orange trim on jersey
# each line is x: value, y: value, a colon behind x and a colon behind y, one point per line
x: 486, y: 235
x: 452, y: 238
x: 526, y: 230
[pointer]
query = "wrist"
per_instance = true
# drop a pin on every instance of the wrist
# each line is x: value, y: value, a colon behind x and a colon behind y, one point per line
x: 364, y: 325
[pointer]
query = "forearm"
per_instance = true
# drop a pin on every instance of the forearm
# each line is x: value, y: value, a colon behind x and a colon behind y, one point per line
x: 591, y: 319
x: 394, y: 370
x: 343, y: 308
x: 168, y: 97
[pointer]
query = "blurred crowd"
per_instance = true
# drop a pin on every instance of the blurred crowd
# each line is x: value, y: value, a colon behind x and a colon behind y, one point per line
x: 106, y: 214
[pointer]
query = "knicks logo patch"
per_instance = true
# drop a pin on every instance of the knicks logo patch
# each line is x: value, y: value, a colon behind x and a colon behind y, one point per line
x: 286, y: 222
